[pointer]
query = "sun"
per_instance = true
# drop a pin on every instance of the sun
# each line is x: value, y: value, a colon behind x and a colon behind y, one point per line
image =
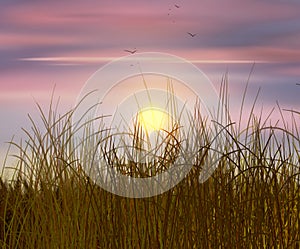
x: 153, y: 119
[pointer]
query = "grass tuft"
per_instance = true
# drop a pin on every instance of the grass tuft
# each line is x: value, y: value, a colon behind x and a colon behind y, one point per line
x: 252, y: 200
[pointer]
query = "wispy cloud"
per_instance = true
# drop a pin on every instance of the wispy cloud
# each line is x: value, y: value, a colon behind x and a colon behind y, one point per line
x: 69, y: 59
x: 108, y: 59
x: 246, y: 31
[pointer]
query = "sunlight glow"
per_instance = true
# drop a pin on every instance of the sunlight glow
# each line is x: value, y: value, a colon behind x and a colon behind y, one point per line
x: 153, y: 119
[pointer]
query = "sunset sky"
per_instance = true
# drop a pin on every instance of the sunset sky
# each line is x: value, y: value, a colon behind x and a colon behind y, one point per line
x: 45, y: 44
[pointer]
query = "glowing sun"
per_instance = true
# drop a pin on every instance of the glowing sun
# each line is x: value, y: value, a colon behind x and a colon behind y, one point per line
x: 154, y: 119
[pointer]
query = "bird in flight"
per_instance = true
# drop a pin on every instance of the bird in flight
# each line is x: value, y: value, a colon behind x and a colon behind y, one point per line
x: 177, y: 6
x: 130, y: 51
x: 191, y: 34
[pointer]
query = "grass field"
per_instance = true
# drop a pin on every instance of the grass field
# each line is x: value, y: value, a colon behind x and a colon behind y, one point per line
x: 252, y: 200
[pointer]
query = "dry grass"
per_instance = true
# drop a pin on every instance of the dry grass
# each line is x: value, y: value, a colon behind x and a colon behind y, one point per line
x: 251, y: 201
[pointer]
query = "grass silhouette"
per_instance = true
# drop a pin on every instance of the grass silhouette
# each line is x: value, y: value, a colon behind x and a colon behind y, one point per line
x: 252, y: 200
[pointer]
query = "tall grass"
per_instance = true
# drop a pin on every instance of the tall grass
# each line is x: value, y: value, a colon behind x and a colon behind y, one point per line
x: 252, y: 200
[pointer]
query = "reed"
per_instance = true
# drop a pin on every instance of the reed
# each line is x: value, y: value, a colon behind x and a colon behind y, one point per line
x: 252, y: 200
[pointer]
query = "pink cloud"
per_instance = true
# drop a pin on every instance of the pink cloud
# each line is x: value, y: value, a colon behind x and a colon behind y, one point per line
x: 10, y: 40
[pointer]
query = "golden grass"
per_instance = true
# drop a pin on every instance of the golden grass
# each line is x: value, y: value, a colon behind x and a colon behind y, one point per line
x: 252, y: 200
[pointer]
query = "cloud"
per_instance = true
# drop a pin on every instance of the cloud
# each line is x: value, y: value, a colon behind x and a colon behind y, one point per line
x: 250, y: 30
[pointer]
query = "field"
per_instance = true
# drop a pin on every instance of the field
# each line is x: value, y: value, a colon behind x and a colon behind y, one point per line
x: 252, y: 200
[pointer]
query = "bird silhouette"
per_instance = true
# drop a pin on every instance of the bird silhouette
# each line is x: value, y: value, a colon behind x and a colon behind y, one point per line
x: 191, y: 34
x: 177, y: 6
x: 130, y: 51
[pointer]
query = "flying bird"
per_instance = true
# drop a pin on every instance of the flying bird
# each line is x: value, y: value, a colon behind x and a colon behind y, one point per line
x: 177, y: 6
x: 191, y: 34
x: 130, y: 51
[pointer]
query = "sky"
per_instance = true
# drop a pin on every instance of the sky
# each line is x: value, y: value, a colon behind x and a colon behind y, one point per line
x: 60, y: 44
